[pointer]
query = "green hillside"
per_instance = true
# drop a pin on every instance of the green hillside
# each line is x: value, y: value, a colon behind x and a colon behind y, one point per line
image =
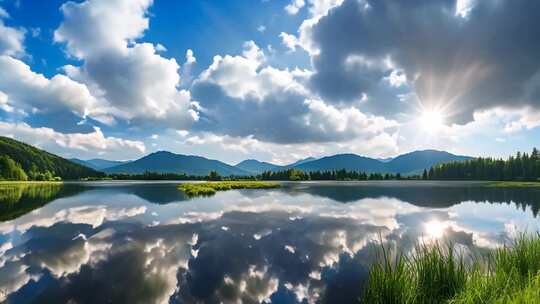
x: 38, y: 164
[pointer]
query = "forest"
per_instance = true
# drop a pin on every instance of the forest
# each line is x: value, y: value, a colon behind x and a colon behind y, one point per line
x: 520, y: 167
x: 299, y: 175
x: 20, y: 161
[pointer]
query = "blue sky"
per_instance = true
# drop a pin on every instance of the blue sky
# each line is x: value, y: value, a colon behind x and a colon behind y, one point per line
x: 272, y: 80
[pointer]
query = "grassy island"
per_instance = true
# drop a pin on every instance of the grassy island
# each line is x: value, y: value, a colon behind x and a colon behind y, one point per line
x: 435, y: 274
x: 210, y: 188
x: 514, y: 184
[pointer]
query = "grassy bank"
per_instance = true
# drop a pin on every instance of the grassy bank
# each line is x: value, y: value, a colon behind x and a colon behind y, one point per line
x: 210, y: 188
x: 10, y: 183
x: 513, y: 184
x: 433, y: 274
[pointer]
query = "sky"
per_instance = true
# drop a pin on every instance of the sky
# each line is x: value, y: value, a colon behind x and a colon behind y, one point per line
x: 274, y: 80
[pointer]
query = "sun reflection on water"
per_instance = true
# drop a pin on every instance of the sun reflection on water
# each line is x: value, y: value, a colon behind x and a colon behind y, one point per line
x: 435, y: 229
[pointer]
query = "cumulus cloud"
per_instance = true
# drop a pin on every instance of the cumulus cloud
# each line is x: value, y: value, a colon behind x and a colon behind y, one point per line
x: 34, y: 92
x: 139, y: 85
x: 80, y: 144
x: 450, y: 58
x: 290, y: 41
x: 294, y: 7
x: 274, y: 104
x: 11, y: 39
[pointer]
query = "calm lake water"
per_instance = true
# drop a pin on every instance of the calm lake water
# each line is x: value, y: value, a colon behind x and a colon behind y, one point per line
x: 135, y: 242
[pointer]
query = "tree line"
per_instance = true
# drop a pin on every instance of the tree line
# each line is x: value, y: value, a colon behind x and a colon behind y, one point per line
x: 522, y: 166
x: 299, y: 175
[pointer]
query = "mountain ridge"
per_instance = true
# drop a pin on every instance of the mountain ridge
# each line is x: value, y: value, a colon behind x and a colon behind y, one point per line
x: 408, y: 163
x: 168, y: 162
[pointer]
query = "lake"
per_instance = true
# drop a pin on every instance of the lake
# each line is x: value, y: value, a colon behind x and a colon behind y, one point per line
x: 307, y: 242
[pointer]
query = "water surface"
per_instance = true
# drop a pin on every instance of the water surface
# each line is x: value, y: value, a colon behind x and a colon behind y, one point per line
x: 312, y: 242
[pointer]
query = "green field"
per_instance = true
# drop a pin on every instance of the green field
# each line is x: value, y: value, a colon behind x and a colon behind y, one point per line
x: 436, y: 274
x: 210, y: 188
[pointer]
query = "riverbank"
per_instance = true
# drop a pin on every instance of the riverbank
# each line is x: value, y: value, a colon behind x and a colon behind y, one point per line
x: 210, y: 188
x: 436, y: 274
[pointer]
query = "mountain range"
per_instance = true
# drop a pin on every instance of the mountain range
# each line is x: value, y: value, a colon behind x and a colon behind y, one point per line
x: 31, y: 158
x: 167, y: 162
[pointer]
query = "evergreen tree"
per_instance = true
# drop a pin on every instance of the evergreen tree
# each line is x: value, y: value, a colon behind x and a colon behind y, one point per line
x: 522, y: 166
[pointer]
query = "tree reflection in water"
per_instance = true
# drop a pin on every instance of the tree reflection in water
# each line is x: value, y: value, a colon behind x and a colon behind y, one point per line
x: 17, y: 199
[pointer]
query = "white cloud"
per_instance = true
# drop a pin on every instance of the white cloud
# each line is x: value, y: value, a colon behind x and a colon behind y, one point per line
x: 190, y: 59
x: 187, y: 76
x: 328, y: 118
x: 139, y: 85
x: 236, y: 148
x: 294, y: 7
x: 28, y: 90
x: 160, y: 48
x: 463, y: 7
x: 246, y: 86
x: 69, y: 144
x: 396, y: 78
x: 261, y: 28
x: 290, y: 41
x: 11, y: 39
x: 97, y: 26
x: 4, y: 103
x: 242, y: 76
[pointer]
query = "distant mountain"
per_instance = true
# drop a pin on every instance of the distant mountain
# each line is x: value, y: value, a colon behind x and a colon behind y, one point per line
x: 301, y: 161
x: 257, y: 167
x: 385, y: 160
x: 98, y: 163
x: 409, y: 163
x: 417, y: 161
x: 254, y: 166
x: 167, y: 162
x: 350, y: 162
x: 36, y: 160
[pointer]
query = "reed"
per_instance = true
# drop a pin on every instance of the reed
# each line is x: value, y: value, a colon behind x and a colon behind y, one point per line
x: 435, y: 273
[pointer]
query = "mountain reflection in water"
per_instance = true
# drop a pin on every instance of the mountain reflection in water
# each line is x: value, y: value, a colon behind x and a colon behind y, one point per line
x: 305, y: 242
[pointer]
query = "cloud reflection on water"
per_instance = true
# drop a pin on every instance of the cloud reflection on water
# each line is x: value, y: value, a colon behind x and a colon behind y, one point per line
x: 289, y: 245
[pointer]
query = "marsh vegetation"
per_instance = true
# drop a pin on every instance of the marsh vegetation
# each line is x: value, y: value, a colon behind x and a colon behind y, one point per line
x: 440, y: 273
x: 210, y: 188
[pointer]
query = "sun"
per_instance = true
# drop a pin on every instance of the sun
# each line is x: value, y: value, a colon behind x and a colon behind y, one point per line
x: 431, y: 120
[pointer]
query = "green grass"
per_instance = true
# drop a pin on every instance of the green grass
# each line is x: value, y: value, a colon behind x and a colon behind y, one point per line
x: 9, y: 183
x: 210, y: 188
x: 513, y: 184
x: 435, y: 274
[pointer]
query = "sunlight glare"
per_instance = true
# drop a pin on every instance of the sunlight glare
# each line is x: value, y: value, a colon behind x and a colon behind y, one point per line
x: 435, y: 229
x: 431, y: 120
